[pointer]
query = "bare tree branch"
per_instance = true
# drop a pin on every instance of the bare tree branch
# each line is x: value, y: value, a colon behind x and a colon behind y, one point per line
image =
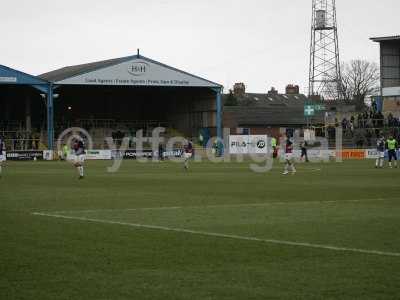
x: 359, y: 79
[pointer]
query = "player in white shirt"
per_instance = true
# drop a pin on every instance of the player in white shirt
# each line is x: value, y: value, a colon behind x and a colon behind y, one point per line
x: 78, y: 149
x: 2, y: 154
x: 380, y: 147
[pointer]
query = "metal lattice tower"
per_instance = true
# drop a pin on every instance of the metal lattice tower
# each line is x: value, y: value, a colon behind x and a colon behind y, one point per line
x: 325, y: 76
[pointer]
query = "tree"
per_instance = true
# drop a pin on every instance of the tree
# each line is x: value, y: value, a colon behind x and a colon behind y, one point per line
x: 360, y: 78
x: 231, y: 99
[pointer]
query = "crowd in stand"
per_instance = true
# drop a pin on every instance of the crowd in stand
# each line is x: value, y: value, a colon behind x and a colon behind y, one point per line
x: 21, y: 140
x: 368, y: 119
x: 363, y: 129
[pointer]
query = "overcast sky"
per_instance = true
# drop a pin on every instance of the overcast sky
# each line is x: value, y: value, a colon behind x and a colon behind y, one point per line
x: 262, y: 43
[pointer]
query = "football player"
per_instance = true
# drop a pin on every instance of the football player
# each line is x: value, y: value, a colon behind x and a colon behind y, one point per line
x: 2, y: 154
x: 289, y: 163
x: 187, y: 154
x: 392, y: 146
x: 78, y: 149
x: 380, y: 147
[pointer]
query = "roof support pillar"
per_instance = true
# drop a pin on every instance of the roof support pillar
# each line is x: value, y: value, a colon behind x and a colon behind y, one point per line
x: 50, y: 118
x: 218, y: 93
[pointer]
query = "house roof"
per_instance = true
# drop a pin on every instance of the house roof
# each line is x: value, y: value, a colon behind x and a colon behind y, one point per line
x: 12, y: 76
x: 270, y: 116
x: 271, y: 110
x: 271, y: 100
x: 71, y: 72
x: 386, y: 38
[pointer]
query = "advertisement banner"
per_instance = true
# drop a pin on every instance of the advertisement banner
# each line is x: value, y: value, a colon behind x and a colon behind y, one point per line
x: 133, y: 154
x: 258, y: 144
x: 371, y: 154
x: 174, y: 153
x: 138, y: 72
x: 24, y: 155
x: 248, y: 144
x: 98, y: 154
x: 238, y: 144
x: 48, y: 155
x: 353, y: 154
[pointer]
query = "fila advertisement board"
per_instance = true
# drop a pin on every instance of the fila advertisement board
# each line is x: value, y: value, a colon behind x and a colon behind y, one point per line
x: 139, y: 72
x: 248, y: 144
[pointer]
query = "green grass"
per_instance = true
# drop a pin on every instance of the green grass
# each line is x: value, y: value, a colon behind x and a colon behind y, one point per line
x: 53, y: 258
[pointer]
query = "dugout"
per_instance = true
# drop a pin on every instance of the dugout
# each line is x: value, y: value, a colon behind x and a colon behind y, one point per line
x: 134, y: 93
x: 24, y: 108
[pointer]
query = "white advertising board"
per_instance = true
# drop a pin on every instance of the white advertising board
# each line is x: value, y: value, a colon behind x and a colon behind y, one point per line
x: 98, y: 154
x: 371, y: 153
x: 48, y: 155
x: 139, y: 72
x: 8, y: 79
x: 248, y: 144
x: 94, y: 155
x: 313, y: 154
x: 391, y: 91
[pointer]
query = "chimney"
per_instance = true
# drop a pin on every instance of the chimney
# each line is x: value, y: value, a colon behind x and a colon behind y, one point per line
x: 272, y: 92
x: 292, y: 89
x: 239, y: 89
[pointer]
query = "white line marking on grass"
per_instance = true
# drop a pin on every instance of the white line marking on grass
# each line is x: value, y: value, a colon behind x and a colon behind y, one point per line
x: 222, y: 205
x: 227, y: 236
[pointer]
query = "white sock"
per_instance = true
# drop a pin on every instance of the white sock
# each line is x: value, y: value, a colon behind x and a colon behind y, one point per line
x: 81, y: 171
x: 377, y: 162
x: 381, y: 163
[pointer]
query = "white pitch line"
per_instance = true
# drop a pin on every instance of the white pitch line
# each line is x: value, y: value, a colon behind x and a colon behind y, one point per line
x: 221, y: 205
x: 227, y: 236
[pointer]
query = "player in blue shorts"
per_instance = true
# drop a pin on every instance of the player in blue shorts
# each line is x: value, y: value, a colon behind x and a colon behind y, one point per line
x: 392, y: 147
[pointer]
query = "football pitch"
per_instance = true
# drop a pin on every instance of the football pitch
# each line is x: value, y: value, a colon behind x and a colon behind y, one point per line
x: 218, y: 231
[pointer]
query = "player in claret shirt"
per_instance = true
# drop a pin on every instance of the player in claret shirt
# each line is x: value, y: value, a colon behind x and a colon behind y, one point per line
x: 78, y: 150
x: 187, y: 154
x: 289, y: 164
